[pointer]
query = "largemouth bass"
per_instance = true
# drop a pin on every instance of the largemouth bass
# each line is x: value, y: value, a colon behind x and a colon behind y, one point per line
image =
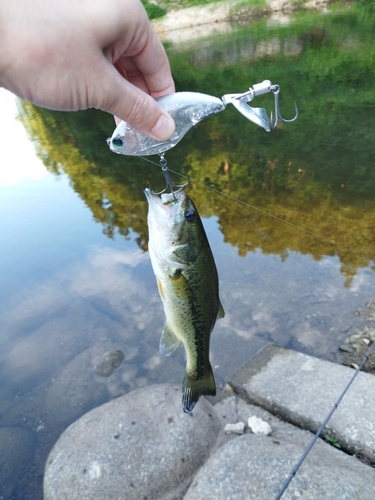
x: 187, y: 280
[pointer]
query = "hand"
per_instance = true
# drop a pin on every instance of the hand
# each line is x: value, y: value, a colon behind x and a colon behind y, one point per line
x: 63, y: 54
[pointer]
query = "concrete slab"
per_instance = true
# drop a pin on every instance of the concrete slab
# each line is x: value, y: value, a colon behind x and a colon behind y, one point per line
x: 302, y: 390
x: 253, y: 467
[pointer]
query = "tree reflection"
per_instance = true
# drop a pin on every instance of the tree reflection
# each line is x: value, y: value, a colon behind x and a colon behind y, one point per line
x: 313, y: 177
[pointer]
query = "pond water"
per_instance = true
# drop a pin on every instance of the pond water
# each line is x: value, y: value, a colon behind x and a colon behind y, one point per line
x: 290, y: 217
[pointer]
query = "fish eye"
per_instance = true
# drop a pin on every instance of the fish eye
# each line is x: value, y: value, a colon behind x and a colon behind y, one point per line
x: 190, y: 215
x: 117, y: 142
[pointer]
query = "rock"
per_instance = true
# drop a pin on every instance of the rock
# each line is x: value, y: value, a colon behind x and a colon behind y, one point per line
x: 259, y: 426
x: 37, y: 357
x: 16, y: 449
x: 234, y: 409
x: 76, y: 390
x: 370, y: 311
x: 141, y: 445
x: 356, y: 346
x: 237, y: 428
x: 255, y: 467
x: 108, y: 363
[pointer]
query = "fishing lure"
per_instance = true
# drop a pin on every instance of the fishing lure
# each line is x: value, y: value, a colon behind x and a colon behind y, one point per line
x: 189, y: 108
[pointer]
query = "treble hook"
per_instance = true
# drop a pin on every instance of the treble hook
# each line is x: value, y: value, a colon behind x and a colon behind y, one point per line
x: 167, y: 176
x: 273, y: 121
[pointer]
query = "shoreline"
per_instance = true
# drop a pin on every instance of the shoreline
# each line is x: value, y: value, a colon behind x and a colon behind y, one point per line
x: 180, y: 25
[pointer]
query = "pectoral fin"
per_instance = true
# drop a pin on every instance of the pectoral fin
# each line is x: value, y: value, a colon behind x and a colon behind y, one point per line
x: 180, y: 284
x: 160, y: 288
x: 168, y: 342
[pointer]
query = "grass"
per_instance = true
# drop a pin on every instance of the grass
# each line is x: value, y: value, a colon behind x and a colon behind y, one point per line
x: 332, y: 441
x: 179, y: 4
x: 253, y: 6
x: 184, y: 3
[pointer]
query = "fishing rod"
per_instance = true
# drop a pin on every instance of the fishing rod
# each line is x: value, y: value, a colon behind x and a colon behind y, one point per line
x: 321, y: 428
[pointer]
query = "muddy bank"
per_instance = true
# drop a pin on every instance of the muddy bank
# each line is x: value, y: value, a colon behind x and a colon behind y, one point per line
x: 181, y: 25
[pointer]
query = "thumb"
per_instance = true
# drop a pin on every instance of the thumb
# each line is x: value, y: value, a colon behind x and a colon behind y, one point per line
x: 131, y: 104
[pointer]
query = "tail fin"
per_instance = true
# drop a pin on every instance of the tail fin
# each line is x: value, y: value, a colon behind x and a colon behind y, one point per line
x: 193, y: 388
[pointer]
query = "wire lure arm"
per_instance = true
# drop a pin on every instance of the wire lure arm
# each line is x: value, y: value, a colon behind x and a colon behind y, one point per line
x: 189, y: 108
x: 169, y: 184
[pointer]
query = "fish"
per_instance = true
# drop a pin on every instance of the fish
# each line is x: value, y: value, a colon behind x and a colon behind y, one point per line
x: 186, y: 109
x: 188, y: 285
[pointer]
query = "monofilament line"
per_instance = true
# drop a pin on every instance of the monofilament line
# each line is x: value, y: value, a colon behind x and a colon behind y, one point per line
x: 320, y: 430
x: 295, y: 226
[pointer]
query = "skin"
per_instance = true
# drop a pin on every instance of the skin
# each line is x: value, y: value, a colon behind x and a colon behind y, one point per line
x: 77, y: 54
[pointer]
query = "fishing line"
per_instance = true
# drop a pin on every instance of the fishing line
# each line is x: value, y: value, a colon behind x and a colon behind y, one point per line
x: 264, y: 212
x: 320, y: 430
x: 370, y: 350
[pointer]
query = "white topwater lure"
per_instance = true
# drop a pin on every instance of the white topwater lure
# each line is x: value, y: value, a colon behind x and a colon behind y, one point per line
x: 189, y: 108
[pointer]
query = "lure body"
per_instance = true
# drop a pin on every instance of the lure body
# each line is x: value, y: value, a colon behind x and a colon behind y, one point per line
x: 186, y: 109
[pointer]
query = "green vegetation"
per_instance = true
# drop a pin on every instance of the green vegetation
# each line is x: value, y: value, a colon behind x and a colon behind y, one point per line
x: 153, y: 10
x: 248, y: 9
x: 173, y: 4
x: 332, y: 441
x: 237, y: 5
x: 317, y: 173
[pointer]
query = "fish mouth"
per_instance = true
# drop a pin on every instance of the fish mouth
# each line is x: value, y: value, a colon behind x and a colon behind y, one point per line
x: 164, y: 199
x: 165, y: 214
x: 165, y: 208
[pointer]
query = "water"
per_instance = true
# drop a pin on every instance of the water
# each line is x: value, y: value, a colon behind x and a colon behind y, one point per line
x: 76, y: 281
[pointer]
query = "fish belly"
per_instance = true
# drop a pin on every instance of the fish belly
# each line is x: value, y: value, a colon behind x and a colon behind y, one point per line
x: 191, y: 307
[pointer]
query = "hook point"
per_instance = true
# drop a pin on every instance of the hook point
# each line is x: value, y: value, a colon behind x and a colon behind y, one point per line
x: 293, y: 119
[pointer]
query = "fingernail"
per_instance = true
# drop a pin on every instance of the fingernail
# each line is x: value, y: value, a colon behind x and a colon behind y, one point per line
x: 164, y: 128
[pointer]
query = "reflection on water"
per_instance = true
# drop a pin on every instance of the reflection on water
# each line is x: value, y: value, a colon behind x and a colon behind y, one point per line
x: 24, y: 165
x: 76, y: 281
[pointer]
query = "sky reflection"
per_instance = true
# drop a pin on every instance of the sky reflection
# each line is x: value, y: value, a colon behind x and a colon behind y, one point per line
x: 20, y: 163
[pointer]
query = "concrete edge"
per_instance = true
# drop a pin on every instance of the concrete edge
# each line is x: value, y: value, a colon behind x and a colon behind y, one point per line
x: 258, y: 362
